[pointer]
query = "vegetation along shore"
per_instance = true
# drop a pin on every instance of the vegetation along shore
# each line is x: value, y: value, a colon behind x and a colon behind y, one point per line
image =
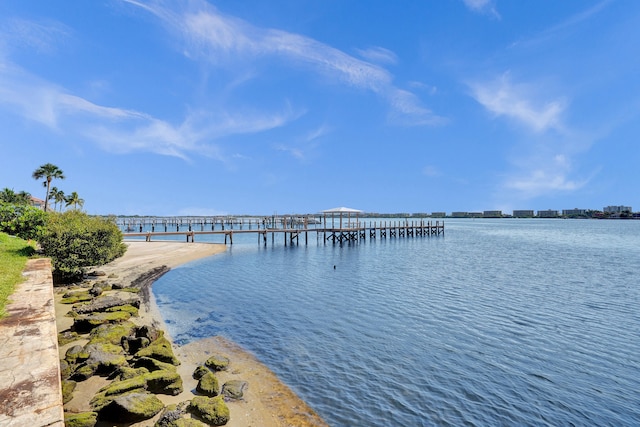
x: 118, y: 365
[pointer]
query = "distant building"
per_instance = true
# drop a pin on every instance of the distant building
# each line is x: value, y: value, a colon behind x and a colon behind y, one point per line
x: 438, y: 214
x: 459, y: 214
x: 574, y: 212
x: 617, y: 209
x: 475, y: 215
x: 38, y: 203
x: 549, y: 213
x: 523, y: 214
x: 492, y: 214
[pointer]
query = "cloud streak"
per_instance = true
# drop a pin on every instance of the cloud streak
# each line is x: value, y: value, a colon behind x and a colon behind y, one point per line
x: 217, y: 38
x: 122, y: 130
x: 518, y: 102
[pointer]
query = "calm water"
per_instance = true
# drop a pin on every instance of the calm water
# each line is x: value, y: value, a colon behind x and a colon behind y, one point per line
x: 500, y: 322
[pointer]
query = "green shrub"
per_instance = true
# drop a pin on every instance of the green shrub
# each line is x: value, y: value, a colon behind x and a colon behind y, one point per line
x: 75, y: 240
x: 26, y: 222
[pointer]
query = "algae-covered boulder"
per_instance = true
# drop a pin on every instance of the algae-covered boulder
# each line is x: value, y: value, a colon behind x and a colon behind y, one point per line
x: 76, y: 297
x: 103, y: 359
x: 132, y: 407
x: 105, y: 302
x: 164, y: 382
x: 217, y: 362
x: 66, y: 337
x: 200, y: 371
x: 174, y: 417
x: 127, y: 372
x: 161, y: 350
x: 211, y: 410
x: 133, y: 344
x: 75, y: 354
x: 111, y: 334
x: 82, y: 419
x: 160, y: 382
x: 234, y: 389
x: 67, y: 390
x: 208, y: 384
x: 65, y: 369
x: 180, y: 422
x: 85, y: 323
x: 153, y: 364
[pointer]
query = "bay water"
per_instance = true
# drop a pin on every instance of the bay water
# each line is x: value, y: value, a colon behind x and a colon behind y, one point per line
x: 498, y: 322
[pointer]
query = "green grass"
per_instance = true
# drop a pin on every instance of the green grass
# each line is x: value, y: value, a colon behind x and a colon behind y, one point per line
x: 14, y: 253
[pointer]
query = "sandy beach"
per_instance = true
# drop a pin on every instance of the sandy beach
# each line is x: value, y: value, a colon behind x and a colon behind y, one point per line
x: 267, y: 402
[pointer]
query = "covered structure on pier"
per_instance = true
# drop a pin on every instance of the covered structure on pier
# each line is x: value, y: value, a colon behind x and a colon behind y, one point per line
x: 341, y: 211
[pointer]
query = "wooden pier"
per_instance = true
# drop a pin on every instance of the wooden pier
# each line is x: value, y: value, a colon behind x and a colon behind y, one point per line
x: 288, y: 228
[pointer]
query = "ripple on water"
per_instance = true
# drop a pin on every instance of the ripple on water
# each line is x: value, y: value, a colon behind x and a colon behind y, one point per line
x: 498, y: 323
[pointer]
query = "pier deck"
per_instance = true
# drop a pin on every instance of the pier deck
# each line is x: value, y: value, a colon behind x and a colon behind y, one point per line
x: 290, y: 230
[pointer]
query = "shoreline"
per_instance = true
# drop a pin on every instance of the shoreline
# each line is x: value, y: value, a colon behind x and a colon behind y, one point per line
x: 267, y: 401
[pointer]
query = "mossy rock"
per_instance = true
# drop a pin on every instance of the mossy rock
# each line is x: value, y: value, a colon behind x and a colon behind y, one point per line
x: 128, y: 308
x: 131, y: 289
x: 131, y: 408
x: 111, y: 334
x: 132, y: 345
x: 67, y: 337
x: 208, y: 385
x: 153, y: 364
x: 104, y: 358
x: 161, y: 350
x: 76, y: 297
x: 65, y: 369
x: 200, y: 371
x: 164, y: 382
x: 174, y: 416
x: 217, y: 363
x: 234, y: 389
x: 127, y: 372
x: 84, y: 372
x: 86, y: 323
x: 83, y: 419
x: 160, y: 382
x: 212, y: 410
x: 180, y: 422
x: 67, y: 390
x: 76, y: 354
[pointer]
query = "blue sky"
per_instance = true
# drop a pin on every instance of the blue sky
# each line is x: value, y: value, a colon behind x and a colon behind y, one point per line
x: 229, y: 107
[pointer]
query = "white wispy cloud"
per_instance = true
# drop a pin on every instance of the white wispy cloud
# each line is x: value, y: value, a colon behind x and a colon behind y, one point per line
x: 519, y: 102
x: 486, y: 7
x: 41, y: 36
x: 378, y: 55
x: 123, y: 130
x: 547, y: 176
x: 222, y: 40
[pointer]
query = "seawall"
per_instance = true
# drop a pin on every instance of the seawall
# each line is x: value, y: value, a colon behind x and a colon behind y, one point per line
x: 30, y: 389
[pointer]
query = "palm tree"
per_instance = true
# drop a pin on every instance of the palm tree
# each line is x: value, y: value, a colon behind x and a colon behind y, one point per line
x: 48, y: 171
x: 75, y: 200
x: 23, y: 198
x: 9, y: 196
x: 57, y: 196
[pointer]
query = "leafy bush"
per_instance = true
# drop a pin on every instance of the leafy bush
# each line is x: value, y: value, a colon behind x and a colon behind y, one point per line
x: 26, y: 222
x: 75, y: 240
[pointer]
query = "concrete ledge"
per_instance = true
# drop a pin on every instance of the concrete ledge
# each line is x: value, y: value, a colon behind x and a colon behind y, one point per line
x: 30, y: 389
